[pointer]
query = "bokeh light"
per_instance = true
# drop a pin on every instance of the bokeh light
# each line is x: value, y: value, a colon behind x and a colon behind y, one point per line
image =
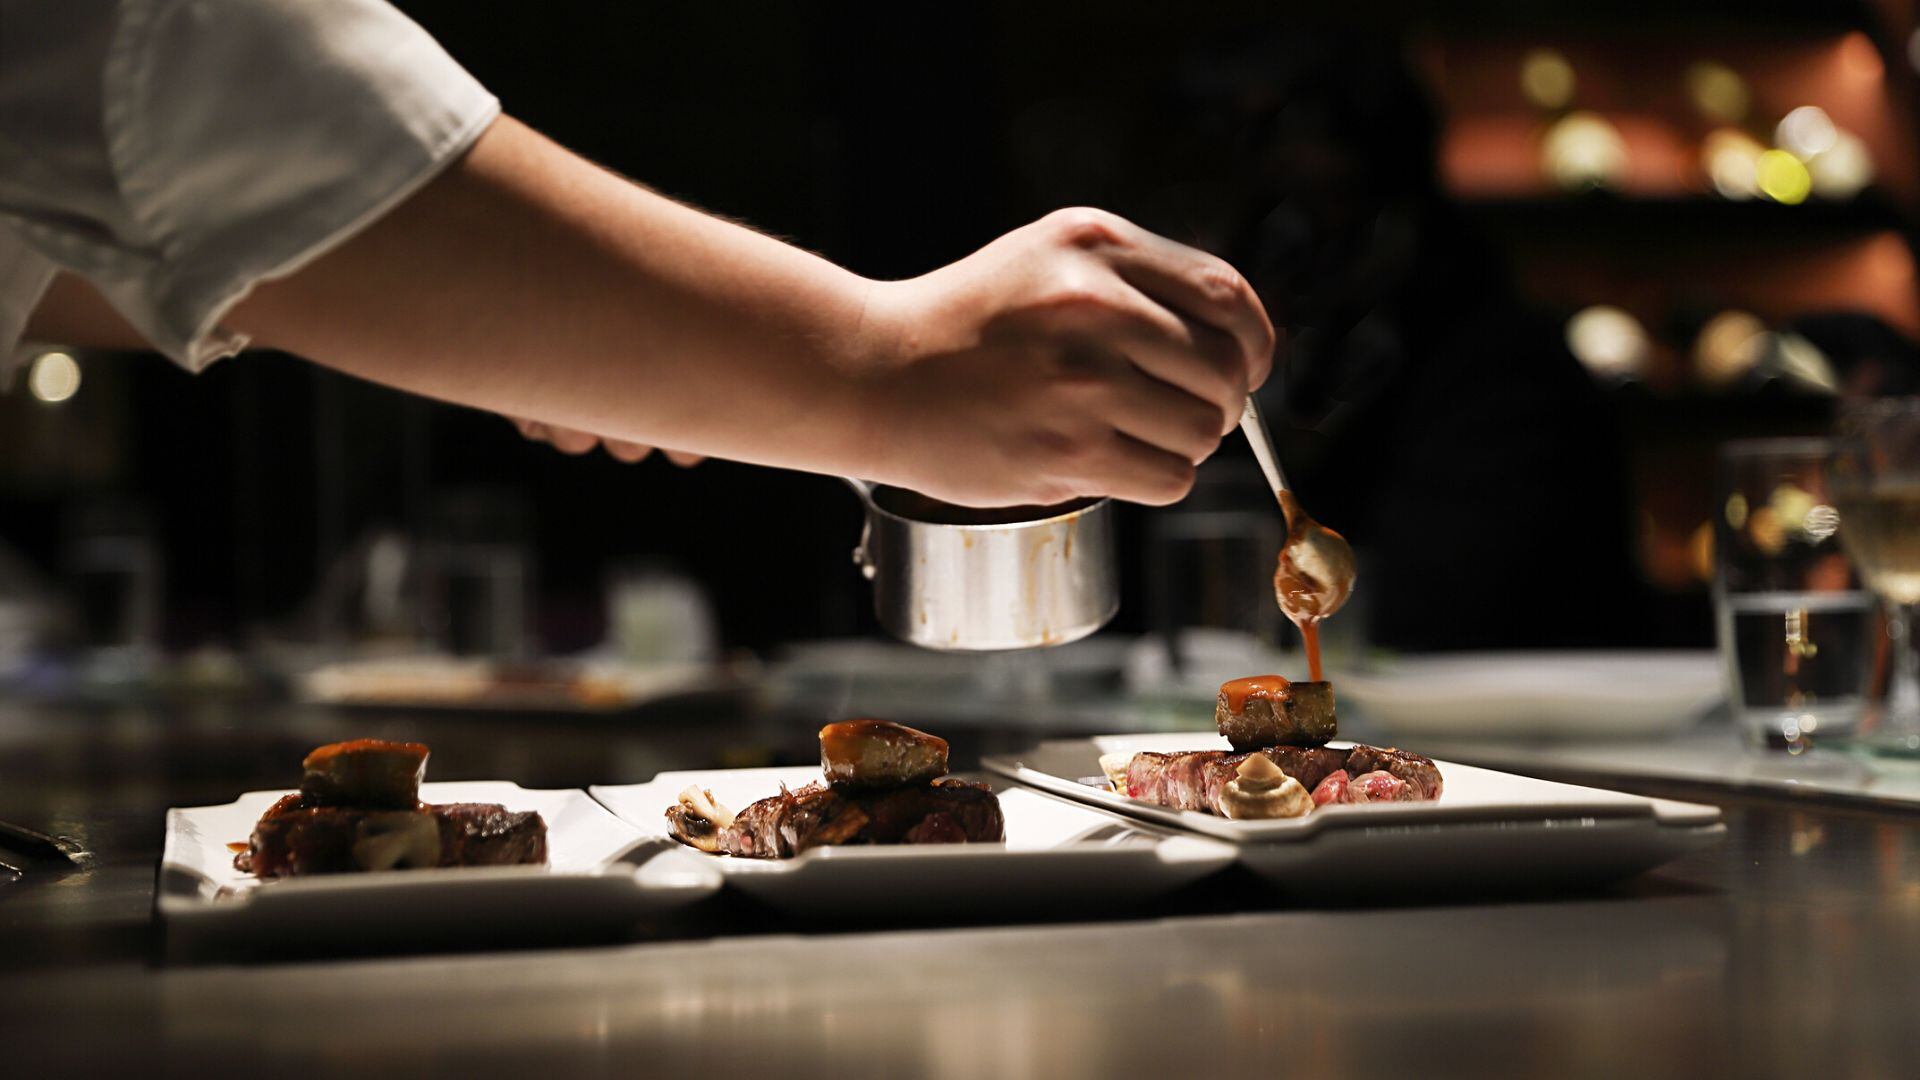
x: 1800, y: 363
x: 1782, y: 177
x: 1844, y: 170
x: 1610, y: 342
x: 54, y: 377
x: 1859, y: 56
x: 1718, y: 92
x: 1582, y: 151
x: 1547, y: 79
x: 1729, y: 346
x: 1730, y: 157
x: 1805, y: 132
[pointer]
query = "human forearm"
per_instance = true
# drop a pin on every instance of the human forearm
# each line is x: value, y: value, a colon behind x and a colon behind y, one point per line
x: 528, y: 281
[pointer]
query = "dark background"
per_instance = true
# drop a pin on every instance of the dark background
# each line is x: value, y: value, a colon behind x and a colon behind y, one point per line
x: 1427, y: 402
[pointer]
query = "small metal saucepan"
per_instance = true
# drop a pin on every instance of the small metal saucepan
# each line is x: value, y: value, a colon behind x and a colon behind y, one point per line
x: 947, y: 577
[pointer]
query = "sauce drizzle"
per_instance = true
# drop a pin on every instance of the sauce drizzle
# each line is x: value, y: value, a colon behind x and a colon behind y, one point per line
x: 1270, y: 687
x: 1310, y: 636
x: 1303, y: 598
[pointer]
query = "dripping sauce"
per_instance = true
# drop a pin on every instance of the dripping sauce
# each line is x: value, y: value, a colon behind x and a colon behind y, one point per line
x: 1269, y: 687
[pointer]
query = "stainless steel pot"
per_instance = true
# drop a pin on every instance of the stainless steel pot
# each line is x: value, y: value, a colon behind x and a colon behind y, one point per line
x: 953, y: 579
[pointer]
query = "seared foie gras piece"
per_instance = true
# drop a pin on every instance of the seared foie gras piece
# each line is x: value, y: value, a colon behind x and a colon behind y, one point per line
x: 784, y: 825
x: 879, y: 753
x: 296, y: 837
x: 1267, y: 710
x: 365, y: 773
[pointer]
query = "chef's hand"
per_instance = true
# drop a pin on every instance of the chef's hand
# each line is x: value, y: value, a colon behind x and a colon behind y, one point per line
x: 1079, y: 355
x: 569, y: 441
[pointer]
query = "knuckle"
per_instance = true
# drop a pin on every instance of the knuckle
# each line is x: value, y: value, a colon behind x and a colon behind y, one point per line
x: 1072, y: 299
x: 1221, y: 284
x: 1168, y: 484
x: 1085, y: 226
x: 1179, y: 480
x: 1206, y: 436
x: 1054, y: 445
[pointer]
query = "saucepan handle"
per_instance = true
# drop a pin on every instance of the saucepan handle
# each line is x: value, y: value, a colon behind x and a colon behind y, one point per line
x: 860, y: 488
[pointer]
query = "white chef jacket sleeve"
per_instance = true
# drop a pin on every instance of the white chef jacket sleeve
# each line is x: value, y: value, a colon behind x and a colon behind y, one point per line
x: 177, y: 152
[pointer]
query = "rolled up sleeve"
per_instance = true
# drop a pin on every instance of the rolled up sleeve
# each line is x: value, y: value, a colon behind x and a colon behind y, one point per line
x: 220, y: 143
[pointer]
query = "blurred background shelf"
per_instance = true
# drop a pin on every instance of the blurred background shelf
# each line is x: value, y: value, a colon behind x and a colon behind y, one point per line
x: 1603, y: 217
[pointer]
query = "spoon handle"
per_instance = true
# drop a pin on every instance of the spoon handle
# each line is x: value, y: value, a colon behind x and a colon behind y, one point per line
x: 1255, y: 430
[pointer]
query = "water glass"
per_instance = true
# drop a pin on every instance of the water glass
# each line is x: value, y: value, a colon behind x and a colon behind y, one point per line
x: 1797, y: 630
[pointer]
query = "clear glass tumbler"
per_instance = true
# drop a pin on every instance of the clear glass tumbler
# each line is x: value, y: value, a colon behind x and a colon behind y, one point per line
x: 1875, y: 475
x: 1797, y: 631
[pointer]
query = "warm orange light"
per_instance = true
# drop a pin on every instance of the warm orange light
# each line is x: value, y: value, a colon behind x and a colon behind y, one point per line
x: 1858, y: 57
x: 1728, y: 347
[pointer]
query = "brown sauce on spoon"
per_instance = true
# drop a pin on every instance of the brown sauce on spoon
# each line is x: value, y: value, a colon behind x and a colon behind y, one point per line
x: 1303, y: 597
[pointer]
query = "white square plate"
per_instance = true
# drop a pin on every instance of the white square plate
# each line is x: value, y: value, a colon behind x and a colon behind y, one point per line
x: 1055, y: 853
x: 1537, y: 695
x: 589, y: 878
x: 1486, y: 826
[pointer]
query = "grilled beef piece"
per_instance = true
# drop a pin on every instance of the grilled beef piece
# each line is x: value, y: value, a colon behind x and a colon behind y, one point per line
x: 297, y: 836
x: 879, y: 753
x: 784, y: 825
x: 1370, y: 787
x: 1196, y: 779
x: 365, y: 773
x: 1267, y: 710
x: 1418, y: 772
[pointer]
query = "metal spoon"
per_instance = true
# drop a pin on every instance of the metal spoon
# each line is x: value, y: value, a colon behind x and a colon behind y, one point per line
x: 1316, y: 570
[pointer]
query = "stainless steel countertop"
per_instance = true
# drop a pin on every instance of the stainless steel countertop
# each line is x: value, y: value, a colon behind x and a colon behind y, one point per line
x: 1792, y: 949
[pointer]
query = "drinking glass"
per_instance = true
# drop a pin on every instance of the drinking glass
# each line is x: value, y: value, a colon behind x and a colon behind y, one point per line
x: 1796, y: 629
x: 1875, y: 478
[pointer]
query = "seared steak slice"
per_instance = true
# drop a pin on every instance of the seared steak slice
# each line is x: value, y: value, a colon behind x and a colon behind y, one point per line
x: 488, y: 834
x: 296, y: 837
x: 1195, y: 780
x: 784, y: 825
x: 1416, y: 770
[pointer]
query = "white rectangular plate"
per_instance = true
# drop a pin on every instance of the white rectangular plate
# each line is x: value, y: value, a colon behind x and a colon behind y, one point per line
x: 589, y: 879
x: 1055, y: 853
x: 1486, y: 826
x: 1537, y: 695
